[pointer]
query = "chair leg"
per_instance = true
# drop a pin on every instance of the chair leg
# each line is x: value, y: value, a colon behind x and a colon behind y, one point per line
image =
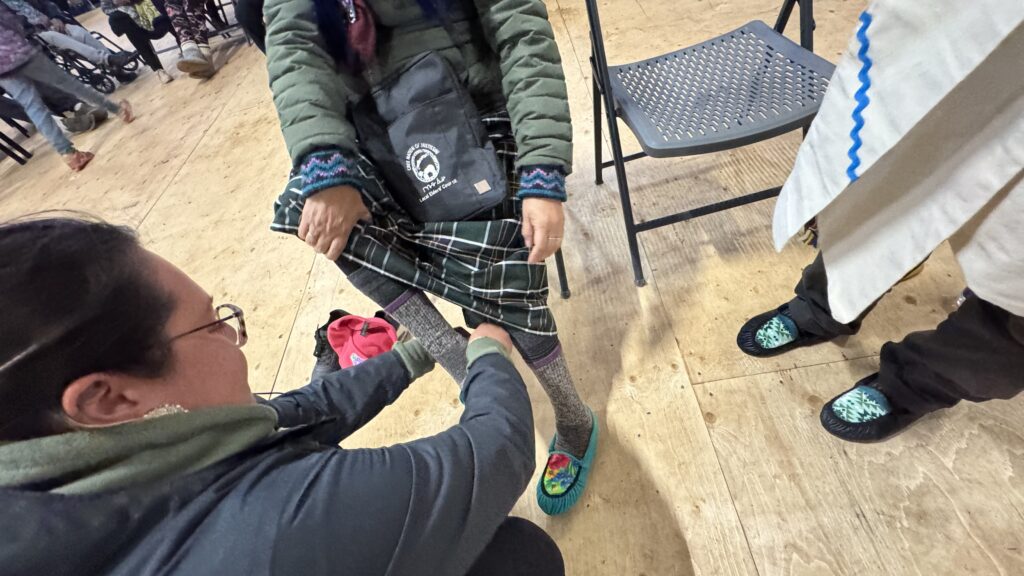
x: 10, y: 154
x: 16, y: 125
x: 627, y: 205
x: 11, y: 144
x: 563, y: 280
x: 598, y: 160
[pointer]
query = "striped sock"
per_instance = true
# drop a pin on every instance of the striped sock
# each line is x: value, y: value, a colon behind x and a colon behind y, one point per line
x: 414, y: 311
x: 573, y: 421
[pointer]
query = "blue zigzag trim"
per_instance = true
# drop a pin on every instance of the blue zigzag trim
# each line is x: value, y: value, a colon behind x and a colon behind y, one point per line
x: 542, y: 181
x: 328, y: 168
x: 861, y: 96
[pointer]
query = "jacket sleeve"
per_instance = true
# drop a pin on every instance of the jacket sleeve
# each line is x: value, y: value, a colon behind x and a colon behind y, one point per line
x: 425, y: 507
x: 311, y: 95
x: 31, y: 15
x: 532, y: 80
x: 345, y: 400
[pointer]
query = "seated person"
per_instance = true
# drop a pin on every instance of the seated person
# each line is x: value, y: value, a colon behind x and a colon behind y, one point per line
x: 76, y: 116
x: 24, y: 70
x: 131, y: 442
x: 141, y: 21
x: 45, y: 20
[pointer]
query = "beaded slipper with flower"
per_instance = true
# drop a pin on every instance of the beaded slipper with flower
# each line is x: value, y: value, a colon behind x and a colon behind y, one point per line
x: 565, y: 476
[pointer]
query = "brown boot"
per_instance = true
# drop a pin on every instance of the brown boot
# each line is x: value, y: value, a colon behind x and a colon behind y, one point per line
x: 77, y: 160
x: 124, y: 112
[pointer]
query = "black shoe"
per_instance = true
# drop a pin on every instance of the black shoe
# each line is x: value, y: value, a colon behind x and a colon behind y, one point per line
x: 326, y: 357
x: 876, y: 430
x: 118, y: 60
x: 124, y: 76
x: 384, y: 316
x: 747, y: 340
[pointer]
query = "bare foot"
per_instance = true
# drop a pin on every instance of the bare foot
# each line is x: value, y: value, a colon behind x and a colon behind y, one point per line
x: 124, y: 111
x: 78, y: 160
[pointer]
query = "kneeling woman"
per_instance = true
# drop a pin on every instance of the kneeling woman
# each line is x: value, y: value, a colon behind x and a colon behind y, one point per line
x: 324, y: 58
x: 131, y: 444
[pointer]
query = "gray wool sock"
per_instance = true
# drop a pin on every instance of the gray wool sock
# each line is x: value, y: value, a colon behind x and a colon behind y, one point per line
x: 414, y: 311
x: 573, y: 421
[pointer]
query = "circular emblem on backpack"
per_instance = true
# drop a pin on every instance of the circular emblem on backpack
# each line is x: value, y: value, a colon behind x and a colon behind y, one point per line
x: 421, y: 159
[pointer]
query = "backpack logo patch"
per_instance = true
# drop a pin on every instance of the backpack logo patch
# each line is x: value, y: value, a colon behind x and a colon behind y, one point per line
x: 421, y: 159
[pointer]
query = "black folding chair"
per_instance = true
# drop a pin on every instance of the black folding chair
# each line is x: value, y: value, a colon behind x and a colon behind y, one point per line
x: 742, y: 87
x: 12, y: 149
x: 8, y: 146
x: 219, y: 7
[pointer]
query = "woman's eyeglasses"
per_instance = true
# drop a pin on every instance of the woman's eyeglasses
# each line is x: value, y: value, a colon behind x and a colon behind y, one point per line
x: 230, y: 322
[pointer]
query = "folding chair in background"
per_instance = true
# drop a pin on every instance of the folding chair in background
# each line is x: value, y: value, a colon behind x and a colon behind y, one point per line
x: 8, y: 146
x: 736, y: 89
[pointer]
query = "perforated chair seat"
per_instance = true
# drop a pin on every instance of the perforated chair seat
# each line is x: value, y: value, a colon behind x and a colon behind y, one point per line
x: 741, y: 87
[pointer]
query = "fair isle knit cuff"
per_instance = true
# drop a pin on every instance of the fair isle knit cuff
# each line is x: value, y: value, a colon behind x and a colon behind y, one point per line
x: 328, y: 168
x: 542, y: 181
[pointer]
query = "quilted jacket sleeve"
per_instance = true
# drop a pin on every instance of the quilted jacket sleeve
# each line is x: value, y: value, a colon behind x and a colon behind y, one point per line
x: 429, y: 506
x: 345, y: 400
x: 532, y: 80
x: 311, y: 95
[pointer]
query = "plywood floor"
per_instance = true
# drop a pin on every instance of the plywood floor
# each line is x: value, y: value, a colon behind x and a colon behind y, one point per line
x: 711, y: 462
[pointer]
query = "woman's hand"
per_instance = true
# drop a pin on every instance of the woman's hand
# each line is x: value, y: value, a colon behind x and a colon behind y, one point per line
x: 328, y: 218
x: 494, y: 332
x: 543, y: 227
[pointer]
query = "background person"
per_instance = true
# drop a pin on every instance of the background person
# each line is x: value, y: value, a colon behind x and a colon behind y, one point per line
x: 50, y: 24
x: 141, y: 22
x: 23, y: 68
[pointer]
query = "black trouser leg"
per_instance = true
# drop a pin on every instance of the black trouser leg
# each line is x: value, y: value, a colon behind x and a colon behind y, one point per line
x: 214, y: 14
x: 123, y: 25
x: 375, y: 286
x: 810, y: 309
x: 58, y: 102
x: 250, y: 16
x: 976, y: 354
x: 519, y: 548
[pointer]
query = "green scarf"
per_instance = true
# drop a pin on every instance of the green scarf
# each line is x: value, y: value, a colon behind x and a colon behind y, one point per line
x: 134, y: 453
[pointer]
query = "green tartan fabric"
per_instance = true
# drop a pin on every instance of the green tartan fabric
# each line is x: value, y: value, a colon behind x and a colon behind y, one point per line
x: 478, y: 264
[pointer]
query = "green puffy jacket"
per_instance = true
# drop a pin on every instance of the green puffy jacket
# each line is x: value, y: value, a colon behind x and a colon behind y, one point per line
x: 507, y: 57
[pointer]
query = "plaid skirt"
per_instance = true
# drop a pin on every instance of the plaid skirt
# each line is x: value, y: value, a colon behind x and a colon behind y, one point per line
x: 478, y: 264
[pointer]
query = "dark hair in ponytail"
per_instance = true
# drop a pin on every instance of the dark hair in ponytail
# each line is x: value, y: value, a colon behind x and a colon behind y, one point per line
x: 74, y: 300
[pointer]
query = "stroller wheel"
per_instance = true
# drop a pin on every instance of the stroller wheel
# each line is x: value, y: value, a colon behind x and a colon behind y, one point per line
x: 131, y: 66
x: 103, y: 83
